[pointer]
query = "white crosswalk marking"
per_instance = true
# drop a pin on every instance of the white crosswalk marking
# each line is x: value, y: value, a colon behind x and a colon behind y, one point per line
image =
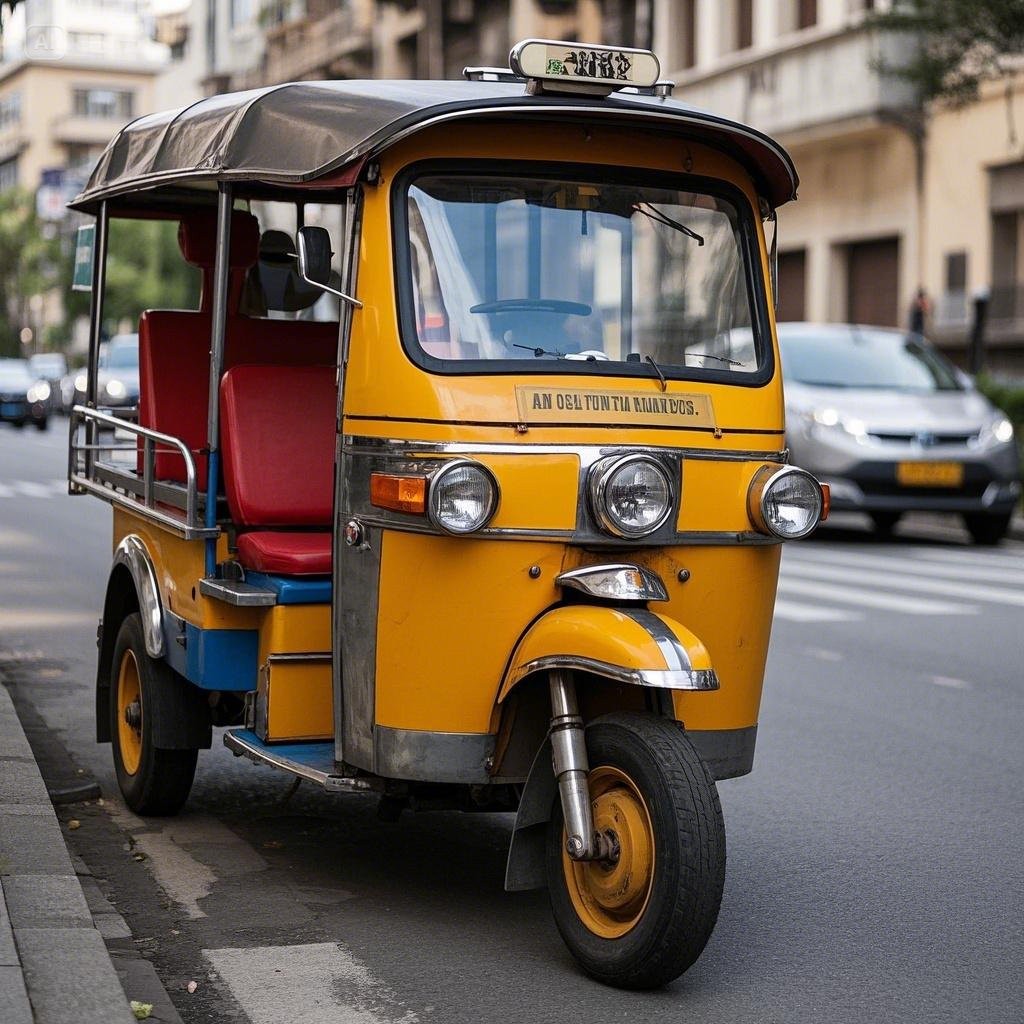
x: 992, y: 559
x: 794, y: 611
x: 32, y: 488
x: 954, y: 587
x: 319, y: 983
x: 1003, y: 574
x: 869, y: 598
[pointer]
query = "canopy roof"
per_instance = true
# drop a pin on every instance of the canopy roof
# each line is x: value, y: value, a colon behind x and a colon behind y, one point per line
x: 294, y: 133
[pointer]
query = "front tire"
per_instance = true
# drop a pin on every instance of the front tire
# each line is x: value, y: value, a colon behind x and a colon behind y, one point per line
x: 987, y: 528
x: 641, y: 922
x: 153, y: 781
x: 884, y: 523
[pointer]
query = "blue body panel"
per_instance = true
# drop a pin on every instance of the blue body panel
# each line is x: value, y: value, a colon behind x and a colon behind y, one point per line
x: 217, y: 659
x: 293, y: 589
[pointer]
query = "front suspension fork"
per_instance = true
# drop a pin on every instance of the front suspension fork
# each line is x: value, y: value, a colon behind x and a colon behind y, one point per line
x: 569, y: 760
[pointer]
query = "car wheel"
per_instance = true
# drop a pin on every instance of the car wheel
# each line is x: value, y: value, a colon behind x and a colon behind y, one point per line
x: 885, y: 522
x: 41, y: 424
x: 640, y: 921
x: 987, y: 528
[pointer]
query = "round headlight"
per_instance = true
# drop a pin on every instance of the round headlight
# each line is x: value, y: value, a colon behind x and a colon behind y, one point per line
x: 115, y: 388
x: 787, y: 503
x: 631, y: 495
x: 463, y: 497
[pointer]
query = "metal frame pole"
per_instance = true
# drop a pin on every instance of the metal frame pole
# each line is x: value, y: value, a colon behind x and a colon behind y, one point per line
x: 96, y: 296
x: 221, y: 285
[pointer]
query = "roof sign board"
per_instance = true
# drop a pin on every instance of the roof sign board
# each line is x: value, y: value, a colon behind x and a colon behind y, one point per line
x: 612, y: 67
x: 81, y: 280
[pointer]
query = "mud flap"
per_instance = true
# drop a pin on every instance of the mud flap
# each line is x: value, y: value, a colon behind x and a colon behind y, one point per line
x: 526, y: 862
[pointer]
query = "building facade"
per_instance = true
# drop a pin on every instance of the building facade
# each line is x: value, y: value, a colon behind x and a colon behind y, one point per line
x: 892, y: 198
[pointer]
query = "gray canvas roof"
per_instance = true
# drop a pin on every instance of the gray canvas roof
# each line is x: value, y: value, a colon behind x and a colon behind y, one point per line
x: 303, y: 130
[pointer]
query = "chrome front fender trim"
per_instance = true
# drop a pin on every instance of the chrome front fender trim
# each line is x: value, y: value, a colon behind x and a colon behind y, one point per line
x: 661, y: 679
x: 132, y: 554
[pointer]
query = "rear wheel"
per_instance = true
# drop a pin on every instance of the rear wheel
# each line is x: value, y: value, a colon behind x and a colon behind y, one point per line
x: 988, y: 528
x: 41, y: 424
x: 641, y: 921
x: 153, y: 781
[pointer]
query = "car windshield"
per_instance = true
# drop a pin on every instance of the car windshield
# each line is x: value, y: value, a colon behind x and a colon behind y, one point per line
x: 122, y: 355
x: 14, y: 373
x: 48, y: 365
x: 865, y: 358
x: 504, y: 268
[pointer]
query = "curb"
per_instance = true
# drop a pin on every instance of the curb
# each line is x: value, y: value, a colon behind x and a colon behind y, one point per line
x: 54, y: 964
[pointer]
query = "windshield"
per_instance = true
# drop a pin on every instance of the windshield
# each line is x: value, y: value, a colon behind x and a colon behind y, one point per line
x: 863, y: 358
x: 561, y: 271
x: 122, y: 355
x: 48, y: 365
x: 14, y: 373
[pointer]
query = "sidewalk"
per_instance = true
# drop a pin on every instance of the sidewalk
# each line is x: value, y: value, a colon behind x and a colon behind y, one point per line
x: 54, y: 964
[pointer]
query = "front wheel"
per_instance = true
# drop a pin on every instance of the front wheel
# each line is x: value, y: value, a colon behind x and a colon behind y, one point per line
x: 152, y: 780
x: 988, y: 528
x: 641, y: 921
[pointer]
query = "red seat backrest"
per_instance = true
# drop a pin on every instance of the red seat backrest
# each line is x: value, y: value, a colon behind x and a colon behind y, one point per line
x: 174, y: 345
x: 278, y: 431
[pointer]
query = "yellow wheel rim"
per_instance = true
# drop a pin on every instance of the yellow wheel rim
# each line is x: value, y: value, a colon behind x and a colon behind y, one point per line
x: 611, y: 898
x: 129, y: 713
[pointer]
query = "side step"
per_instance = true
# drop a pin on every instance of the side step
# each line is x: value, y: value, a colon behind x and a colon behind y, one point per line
x: 312, y: 761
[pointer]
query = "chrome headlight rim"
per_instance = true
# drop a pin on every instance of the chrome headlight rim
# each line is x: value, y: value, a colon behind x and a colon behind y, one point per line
x: 433, y: 495
x: 760, y: 486
x: 601, y: 474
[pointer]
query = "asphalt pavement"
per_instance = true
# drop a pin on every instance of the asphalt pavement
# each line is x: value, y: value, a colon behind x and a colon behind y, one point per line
x: 875, y: 858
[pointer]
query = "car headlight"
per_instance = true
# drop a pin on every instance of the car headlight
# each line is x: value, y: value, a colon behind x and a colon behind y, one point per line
x: 999, y: 430
x: 116, y: 388
x: 631, y: 495
x: 39, y: 392
x: 463, y: 497
x: 80, y: 382
x: 787, y: 503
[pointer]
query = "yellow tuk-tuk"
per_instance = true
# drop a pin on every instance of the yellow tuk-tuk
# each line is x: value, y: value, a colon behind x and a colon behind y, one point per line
x: 464, y: 484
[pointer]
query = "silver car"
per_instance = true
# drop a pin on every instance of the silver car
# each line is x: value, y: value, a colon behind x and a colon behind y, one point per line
x: 892, y: 426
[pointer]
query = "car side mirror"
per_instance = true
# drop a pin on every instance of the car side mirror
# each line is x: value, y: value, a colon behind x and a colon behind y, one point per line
x: 314, y: 259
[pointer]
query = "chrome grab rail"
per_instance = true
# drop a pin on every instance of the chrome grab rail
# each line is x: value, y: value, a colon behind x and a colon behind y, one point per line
x: 122, y: 487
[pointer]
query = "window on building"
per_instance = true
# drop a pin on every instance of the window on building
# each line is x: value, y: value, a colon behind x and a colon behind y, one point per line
x: 744, y: 24
x: 791, y: 302
x: 104, y: 103
x: 8, y: 174
x: 956, y: 271
x: 806, y: 13
x: 688, y: 26
x: 10, y: 110
x: 86, y: 42
x: 242, y: 12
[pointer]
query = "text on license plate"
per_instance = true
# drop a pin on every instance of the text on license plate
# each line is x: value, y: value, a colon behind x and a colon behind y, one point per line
x: 929, y: 474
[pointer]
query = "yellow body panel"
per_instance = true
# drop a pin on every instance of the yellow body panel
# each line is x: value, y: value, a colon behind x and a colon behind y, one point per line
x: 299, y: 700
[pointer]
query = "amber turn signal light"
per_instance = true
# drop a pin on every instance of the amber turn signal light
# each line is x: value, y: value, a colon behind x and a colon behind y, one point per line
x: 826, y: 501
x: 399, y: 493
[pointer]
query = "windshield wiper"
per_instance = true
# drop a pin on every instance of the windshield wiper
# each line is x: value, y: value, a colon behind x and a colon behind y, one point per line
x: 653, y: 213
x: 719, y: 359
x: 538, y: 352
x: 657, y: 370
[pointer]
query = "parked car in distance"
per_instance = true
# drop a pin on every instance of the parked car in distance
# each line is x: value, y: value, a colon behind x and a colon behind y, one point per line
x: 51, y: 367
x: 118, y: 378
x: 23, y: 398
x: 892, y: 426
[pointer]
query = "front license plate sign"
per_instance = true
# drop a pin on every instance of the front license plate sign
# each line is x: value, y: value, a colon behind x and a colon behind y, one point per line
x: 627, y: 408
x: 929, y: 474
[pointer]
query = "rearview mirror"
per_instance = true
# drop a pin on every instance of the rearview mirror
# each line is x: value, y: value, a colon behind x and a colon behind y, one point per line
x: 315, y: 255
x: 314, y: 258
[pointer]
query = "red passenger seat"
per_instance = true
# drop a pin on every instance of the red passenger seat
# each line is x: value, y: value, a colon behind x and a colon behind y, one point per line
x: 174, y: 345
x: 278, y: 431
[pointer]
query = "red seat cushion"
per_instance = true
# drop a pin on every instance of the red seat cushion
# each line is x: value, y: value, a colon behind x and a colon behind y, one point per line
x: 277, y: 440
x: 291, y: 554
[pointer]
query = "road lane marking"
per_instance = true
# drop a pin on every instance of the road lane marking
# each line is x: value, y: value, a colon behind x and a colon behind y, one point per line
x: 794, y: 611
x: 951, y: 588
x: 870, y: 599
x: 994, y: 559
x: 894, y: 567
x: 43, y: 618
x: 319, y: 983
x: 823, y: 654
x: 33, y: 488
x: 950, y: 683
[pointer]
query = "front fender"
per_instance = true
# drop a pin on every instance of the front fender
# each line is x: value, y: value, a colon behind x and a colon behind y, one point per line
x: 627, y: 645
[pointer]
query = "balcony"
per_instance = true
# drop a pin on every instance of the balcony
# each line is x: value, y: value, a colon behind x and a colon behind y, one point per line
x: 96, y: 131
x: 339, y: 44
x: 821, y: 85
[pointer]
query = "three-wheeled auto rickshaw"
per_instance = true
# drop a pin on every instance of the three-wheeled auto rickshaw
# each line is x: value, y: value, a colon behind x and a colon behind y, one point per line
x: 502, y: 530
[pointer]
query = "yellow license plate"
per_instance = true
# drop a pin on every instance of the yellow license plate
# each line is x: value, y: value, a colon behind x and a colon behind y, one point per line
x: 929, y: 474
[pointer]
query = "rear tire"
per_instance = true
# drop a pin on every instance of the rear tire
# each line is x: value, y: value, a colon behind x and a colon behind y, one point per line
x: 40, y: 424
x: 640, y: 923
x: 988, y: 529
x: 153, y: 781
